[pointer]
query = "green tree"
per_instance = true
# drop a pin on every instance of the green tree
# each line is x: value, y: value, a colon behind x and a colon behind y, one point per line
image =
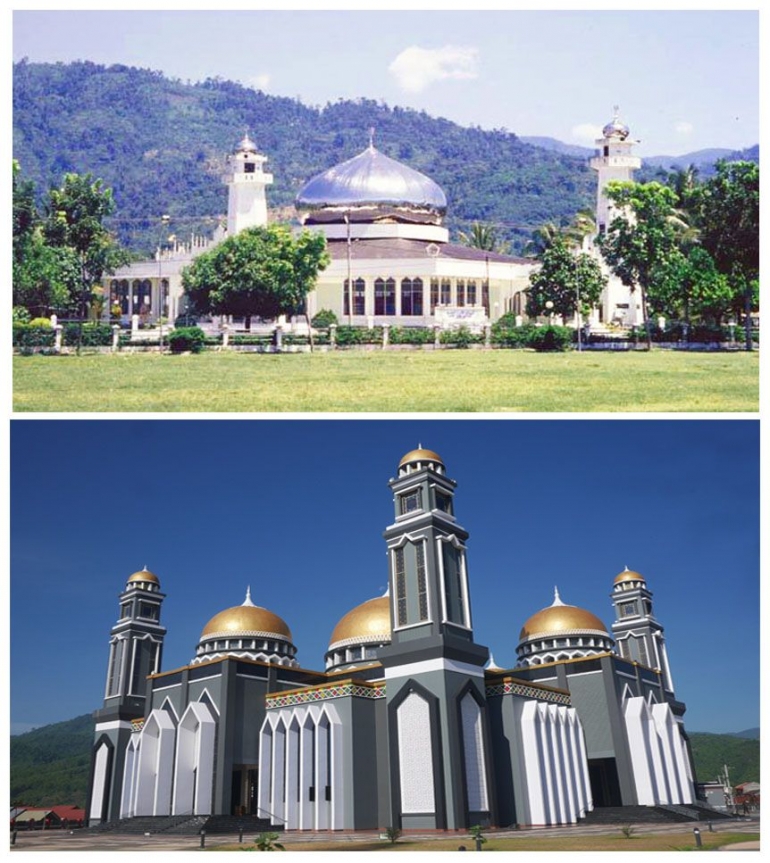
x: 729, y: 223
x: 565, y: 279
x: 75, y: 215
x: 639, y: 241
x: 484, y: 237
x: 260, y: 271
x: 688, y: 286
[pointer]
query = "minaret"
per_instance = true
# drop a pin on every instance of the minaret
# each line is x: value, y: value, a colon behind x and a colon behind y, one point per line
x: 638, y: 635
x: 136, y: 642
x: 614, y: 161
x: 246, y: 182
x: 436, y: 697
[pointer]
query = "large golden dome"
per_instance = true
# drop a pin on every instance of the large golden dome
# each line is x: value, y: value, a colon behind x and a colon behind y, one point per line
x: 559, y: 619
x: 144, y: 575
x: 628, y: 575
x: 366, y: 623
x: 247, y: 620
x: 420, y: 454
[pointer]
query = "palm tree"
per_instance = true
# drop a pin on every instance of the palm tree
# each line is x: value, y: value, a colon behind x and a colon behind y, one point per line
x: 485, y: 237
x: 542, y: 239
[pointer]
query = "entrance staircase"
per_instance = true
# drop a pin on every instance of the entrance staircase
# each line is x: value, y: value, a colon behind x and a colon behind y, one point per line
x: 189, y: 825
x: 622, y: 815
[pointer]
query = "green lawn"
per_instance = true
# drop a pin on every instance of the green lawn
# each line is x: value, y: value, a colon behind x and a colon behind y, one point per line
x: 442, y: 381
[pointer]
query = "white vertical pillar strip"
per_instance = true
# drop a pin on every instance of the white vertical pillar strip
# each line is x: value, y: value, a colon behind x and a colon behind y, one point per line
x: 466, y: 594
x: 441, y: 585
x: 99, y: 782
x: 579, y: 763
x: 276, y: 785
x: 584, y: 763
x: 532, y: 759
x: 557, y: 764
x: 306, y: 806
x: 639, y: 746
x: 322, y: 773
x: 129, y: 766
x: 206, y: 738
x: 567, y: 782
x: 291, y: 779
x: 658, y: 757
x: 134, y: 792
x: 337, y: 773
x: 265, y: 764
x: 164, y: 766
x: 475, y: 759
x: 544, y: 728
x: 666, y: 666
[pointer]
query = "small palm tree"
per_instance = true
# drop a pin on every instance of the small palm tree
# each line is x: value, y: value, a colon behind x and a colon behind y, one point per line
x: 268, y: 842
x: 393, y: 834
x: 483, y: 237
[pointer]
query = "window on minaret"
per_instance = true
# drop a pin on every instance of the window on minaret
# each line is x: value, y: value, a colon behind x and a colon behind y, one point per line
x: 400, y: 573
x: 453, y: 588
x: 422, y: 584
x: 136, y: 673
x: 359, y: 289
x: 125, y: 610
x: 444, y: 502
x: 627, y: 609
x: 149, y: 611
x: 411, y: 501
x: 384, y: 296
x: 249, y: 167
x: 116, y: 660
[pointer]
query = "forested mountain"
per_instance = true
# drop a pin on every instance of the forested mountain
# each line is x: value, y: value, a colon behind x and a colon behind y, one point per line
x: 161, y: 145
x: 50, y: 764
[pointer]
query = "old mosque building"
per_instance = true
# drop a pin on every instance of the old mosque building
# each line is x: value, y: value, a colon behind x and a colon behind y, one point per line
x: 410, y: 723
x: 383, y: 222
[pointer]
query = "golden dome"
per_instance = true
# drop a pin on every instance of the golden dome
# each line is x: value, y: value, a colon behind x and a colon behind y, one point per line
x: 628, y: 575
x: 558, y: 619
x: 144, y: 575
x: 368, y: 622
x: 420, y: 454
x: 246, y: 620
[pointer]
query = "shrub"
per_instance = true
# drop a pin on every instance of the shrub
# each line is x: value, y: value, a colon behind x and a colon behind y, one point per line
x: 550, y: 338
x: 324, y: 318
x: 460, y: 338
x: 93, y: 335
x: 33, y: 336
x: 392, y: 834
x: 511, y: 336
x: 41, y: 322
x: 186, y: 339
x: 268, y: 842
x: 20, y: 315
x: 358, y: 336
x: 411, y: 336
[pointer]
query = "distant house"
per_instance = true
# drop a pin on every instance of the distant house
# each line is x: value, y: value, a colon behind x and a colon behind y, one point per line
x: 54, y: 817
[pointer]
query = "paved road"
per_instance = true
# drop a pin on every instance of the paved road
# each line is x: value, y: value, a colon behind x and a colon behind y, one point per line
x: 84, y: 840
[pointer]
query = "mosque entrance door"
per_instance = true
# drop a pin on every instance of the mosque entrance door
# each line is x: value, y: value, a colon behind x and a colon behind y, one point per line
x: 244, y: 789
x: 605, y: 786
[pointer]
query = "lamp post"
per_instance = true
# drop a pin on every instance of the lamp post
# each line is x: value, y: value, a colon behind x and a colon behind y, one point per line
x: 549, y: 311
x: 577, y: 307
x: 164, y: 220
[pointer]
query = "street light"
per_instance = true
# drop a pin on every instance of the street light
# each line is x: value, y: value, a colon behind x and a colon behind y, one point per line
x: 549, y: 311
x: 164, y: 220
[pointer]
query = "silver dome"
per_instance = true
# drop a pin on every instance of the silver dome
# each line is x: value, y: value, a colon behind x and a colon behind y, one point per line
x: 616, y: 129
x: 372, y: 179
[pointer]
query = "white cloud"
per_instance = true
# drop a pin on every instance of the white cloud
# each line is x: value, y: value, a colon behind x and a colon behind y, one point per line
x: 416, y: 68
x: 684, y: 128
x: 260, y: 82
x: 586, y: 132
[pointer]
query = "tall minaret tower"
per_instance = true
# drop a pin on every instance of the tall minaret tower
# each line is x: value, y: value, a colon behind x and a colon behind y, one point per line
x: 638, y: 635
x: 246, y: 182
x: 614, y: 161
x: 436, y: 698
x: 136, y: 643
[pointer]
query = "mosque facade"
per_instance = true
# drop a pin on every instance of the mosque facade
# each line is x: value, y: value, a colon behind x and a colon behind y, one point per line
x: 410, y: 723
x: 392, y: 261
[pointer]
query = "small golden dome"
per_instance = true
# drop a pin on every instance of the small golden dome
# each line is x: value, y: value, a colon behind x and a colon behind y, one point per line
x: 246, y: 620
x: 628, y: 575
x: 558, y: 619
x: 144, y: 575
x: 368, y: 622
x: 420, y: 454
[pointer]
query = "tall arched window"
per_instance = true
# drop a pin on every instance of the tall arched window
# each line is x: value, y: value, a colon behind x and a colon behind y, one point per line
x: 385, y: 296
x: 359, y: 295
x: 411, y: 296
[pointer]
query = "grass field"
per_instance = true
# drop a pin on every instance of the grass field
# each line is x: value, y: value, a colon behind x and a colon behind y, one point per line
x: 445, y: 381
x: 679, y: 841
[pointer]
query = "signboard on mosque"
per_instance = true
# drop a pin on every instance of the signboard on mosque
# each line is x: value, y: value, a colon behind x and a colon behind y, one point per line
x: 454, y: 317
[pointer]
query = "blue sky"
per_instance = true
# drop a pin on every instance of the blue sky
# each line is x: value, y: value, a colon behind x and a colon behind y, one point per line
x: 296, y: 510
x: 684, y: 79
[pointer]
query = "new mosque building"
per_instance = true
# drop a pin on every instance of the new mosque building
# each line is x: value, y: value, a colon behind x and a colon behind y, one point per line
x: 410, y: 723
x: 392, y: 261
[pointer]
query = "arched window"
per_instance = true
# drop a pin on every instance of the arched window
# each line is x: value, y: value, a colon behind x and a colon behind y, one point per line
x: 359, y: 289
x: 460, y: 292
x: 411, y: 296
x: 471, y: 292
x: 385, y: 296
